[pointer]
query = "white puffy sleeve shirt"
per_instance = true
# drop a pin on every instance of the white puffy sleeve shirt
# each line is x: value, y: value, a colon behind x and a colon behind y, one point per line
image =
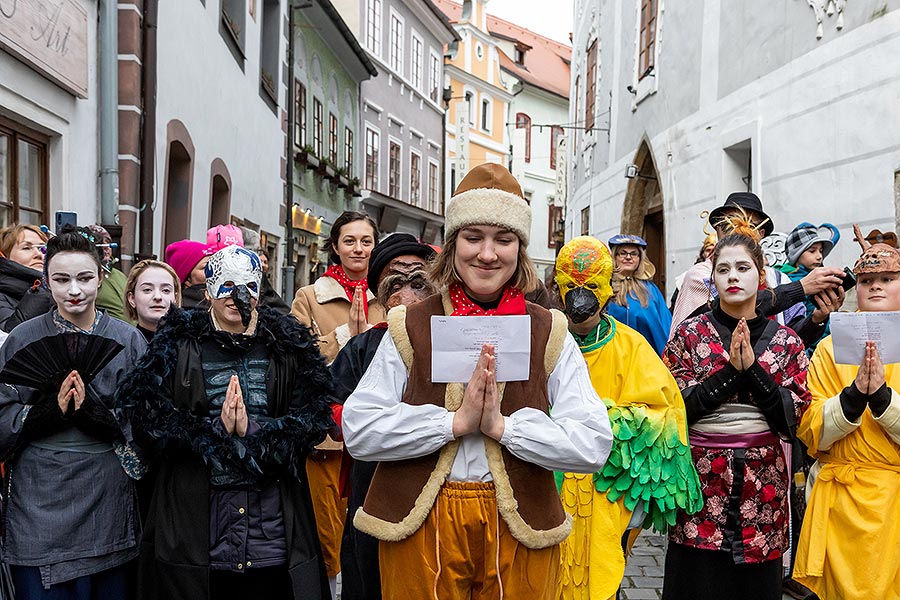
x: 574, y: 437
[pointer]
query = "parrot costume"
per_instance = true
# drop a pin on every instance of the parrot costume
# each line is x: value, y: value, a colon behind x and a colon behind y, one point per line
x: 649, y: 475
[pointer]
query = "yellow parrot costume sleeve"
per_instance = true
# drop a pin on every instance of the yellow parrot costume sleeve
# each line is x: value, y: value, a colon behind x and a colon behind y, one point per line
x: 849, y: 546
x: 650, y: 466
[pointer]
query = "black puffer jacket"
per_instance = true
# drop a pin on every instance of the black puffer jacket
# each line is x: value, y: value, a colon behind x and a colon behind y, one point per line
x: 21, y: 295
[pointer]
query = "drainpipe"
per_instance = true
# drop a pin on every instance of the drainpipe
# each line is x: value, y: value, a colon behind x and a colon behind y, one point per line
x: 108, y: 74
x: 148, y: 130
x: 288, y: 289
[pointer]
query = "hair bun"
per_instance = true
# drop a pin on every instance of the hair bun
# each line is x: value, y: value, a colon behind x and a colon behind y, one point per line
x: 742, y: 225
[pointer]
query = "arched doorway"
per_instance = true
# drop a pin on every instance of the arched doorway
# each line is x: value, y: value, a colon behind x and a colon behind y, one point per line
x: 179, y: 184
x: 642, y: 211
x: 219, y: 194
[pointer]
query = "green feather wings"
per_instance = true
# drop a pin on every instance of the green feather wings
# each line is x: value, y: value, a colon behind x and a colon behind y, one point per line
x: 649, y: 462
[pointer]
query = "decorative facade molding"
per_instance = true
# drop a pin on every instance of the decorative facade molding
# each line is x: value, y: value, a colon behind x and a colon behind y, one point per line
x: 827, y: 8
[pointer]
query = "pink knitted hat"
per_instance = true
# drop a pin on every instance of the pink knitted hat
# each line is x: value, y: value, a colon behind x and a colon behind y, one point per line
x: 183, y: 256
x: 224, y: 235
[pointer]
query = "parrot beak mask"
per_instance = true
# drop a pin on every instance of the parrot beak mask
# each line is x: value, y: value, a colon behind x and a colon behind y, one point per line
x: 581, y: 304
x: 241, y: 296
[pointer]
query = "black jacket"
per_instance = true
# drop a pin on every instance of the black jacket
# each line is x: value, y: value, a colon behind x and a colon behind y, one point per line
x: 166, y: 398
x: 20, y: 298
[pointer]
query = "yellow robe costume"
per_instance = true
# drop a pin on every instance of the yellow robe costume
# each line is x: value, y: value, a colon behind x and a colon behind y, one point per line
x: 650, y: 462
x: 849, y: 546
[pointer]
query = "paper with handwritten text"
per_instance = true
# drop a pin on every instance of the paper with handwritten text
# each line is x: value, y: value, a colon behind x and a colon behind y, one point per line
x: 456, y: 344
x: 851, y: 331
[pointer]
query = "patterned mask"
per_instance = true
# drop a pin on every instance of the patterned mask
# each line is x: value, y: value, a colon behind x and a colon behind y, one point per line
x: 584, y: 265
x: 230, y: 268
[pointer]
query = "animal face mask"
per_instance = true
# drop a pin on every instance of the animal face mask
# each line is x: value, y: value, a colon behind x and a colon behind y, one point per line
x: 583, y: 271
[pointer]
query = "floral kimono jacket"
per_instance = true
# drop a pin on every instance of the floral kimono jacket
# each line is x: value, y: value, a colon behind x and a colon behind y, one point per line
x: 737, y: 423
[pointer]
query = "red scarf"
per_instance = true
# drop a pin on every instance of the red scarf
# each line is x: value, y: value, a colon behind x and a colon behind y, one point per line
x: 512, y: 302
x: 336, y: 272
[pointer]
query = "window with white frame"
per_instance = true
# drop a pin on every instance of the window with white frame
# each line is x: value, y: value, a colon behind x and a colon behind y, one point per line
x: 470, y: 105
x: 396, y: 55
x: 415, y: 178
x: 647, y: 40
x: 394, y: 169
x: 333, y: 139
x: 318, y: 126
x: 486, y: 115
x: 590, y: 86
x: 434, y: 74
x: 373, y: 26
x: 433, y: 180
x: 415, y: 69
x: 523, y: 121
x: 299, y: 114
x: 373, y: 140
x: 348, y: 152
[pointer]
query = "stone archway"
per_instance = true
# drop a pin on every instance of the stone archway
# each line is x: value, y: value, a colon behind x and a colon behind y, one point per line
x: 642, y: 211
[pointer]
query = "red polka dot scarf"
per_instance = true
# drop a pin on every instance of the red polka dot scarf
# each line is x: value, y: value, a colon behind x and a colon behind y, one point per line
x: 336, y: 272
x: 512, y: 302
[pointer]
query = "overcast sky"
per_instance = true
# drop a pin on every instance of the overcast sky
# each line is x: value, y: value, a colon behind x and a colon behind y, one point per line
x: 551, y: 19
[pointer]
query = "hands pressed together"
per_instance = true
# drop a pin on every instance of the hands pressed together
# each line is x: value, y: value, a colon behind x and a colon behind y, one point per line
x: 358, y: 323
x: 741, y: 352
x: 870, y: 376
x: 480, y: 409
x: 71, y: 390
x: 234, y: 412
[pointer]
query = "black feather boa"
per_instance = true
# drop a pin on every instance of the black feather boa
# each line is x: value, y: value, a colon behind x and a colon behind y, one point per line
x: 165, y: 429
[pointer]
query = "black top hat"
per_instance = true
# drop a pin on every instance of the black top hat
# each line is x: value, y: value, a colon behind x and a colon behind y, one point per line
x: 748, y: 201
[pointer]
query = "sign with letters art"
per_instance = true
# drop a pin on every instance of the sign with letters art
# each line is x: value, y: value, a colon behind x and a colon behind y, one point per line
x: 51, y: 36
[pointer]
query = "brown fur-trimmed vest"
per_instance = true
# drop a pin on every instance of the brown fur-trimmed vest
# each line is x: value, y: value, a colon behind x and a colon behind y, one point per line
x: 403, y: 492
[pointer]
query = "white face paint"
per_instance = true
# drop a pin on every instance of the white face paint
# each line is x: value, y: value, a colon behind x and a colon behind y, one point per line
x: 73, y: 279
x: 154, y: 292
x: 230, y: 267
x: 736, y: 276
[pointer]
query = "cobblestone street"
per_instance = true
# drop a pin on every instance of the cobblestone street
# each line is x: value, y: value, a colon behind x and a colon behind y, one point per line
x: 644, y: 571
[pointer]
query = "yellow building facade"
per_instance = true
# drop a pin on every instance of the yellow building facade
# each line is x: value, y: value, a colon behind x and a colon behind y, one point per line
x: 476, y: 130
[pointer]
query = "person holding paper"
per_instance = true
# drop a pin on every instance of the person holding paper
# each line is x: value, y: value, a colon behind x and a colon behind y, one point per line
x: 652, y: 476
x: 464, y: 500
x: 71, y: 520
x: 850, y: 542
x: 743, y: 379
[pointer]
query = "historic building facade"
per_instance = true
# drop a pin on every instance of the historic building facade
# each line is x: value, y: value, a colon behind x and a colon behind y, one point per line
x: 684, y: 102
x: 402, y: 112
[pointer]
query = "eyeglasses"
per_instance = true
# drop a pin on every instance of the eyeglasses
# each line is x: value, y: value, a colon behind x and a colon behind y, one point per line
x: 628, y: 254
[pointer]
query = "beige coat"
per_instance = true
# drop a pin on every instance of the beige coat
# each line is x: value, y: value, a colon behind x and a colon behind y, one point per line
x: 324, y: 307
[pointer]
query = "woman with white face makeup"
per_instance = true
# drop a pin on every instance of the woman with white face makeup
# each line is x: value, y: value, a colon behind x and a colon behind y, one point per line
x: 71, y: 520
x: 743, y: 380
x: 459, y: 475
x: 21, y: 264
x: 849, y: 545
x: 152, y: 287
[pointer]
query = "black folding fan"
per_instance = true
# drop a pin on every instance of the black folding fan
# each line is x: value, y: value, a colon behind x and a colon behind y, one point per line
x: 44, y: 363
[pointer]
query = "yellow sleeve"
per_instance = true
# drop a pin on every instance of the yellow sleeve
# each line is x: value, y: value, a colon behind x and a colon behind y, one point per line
x: 825, y: 383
